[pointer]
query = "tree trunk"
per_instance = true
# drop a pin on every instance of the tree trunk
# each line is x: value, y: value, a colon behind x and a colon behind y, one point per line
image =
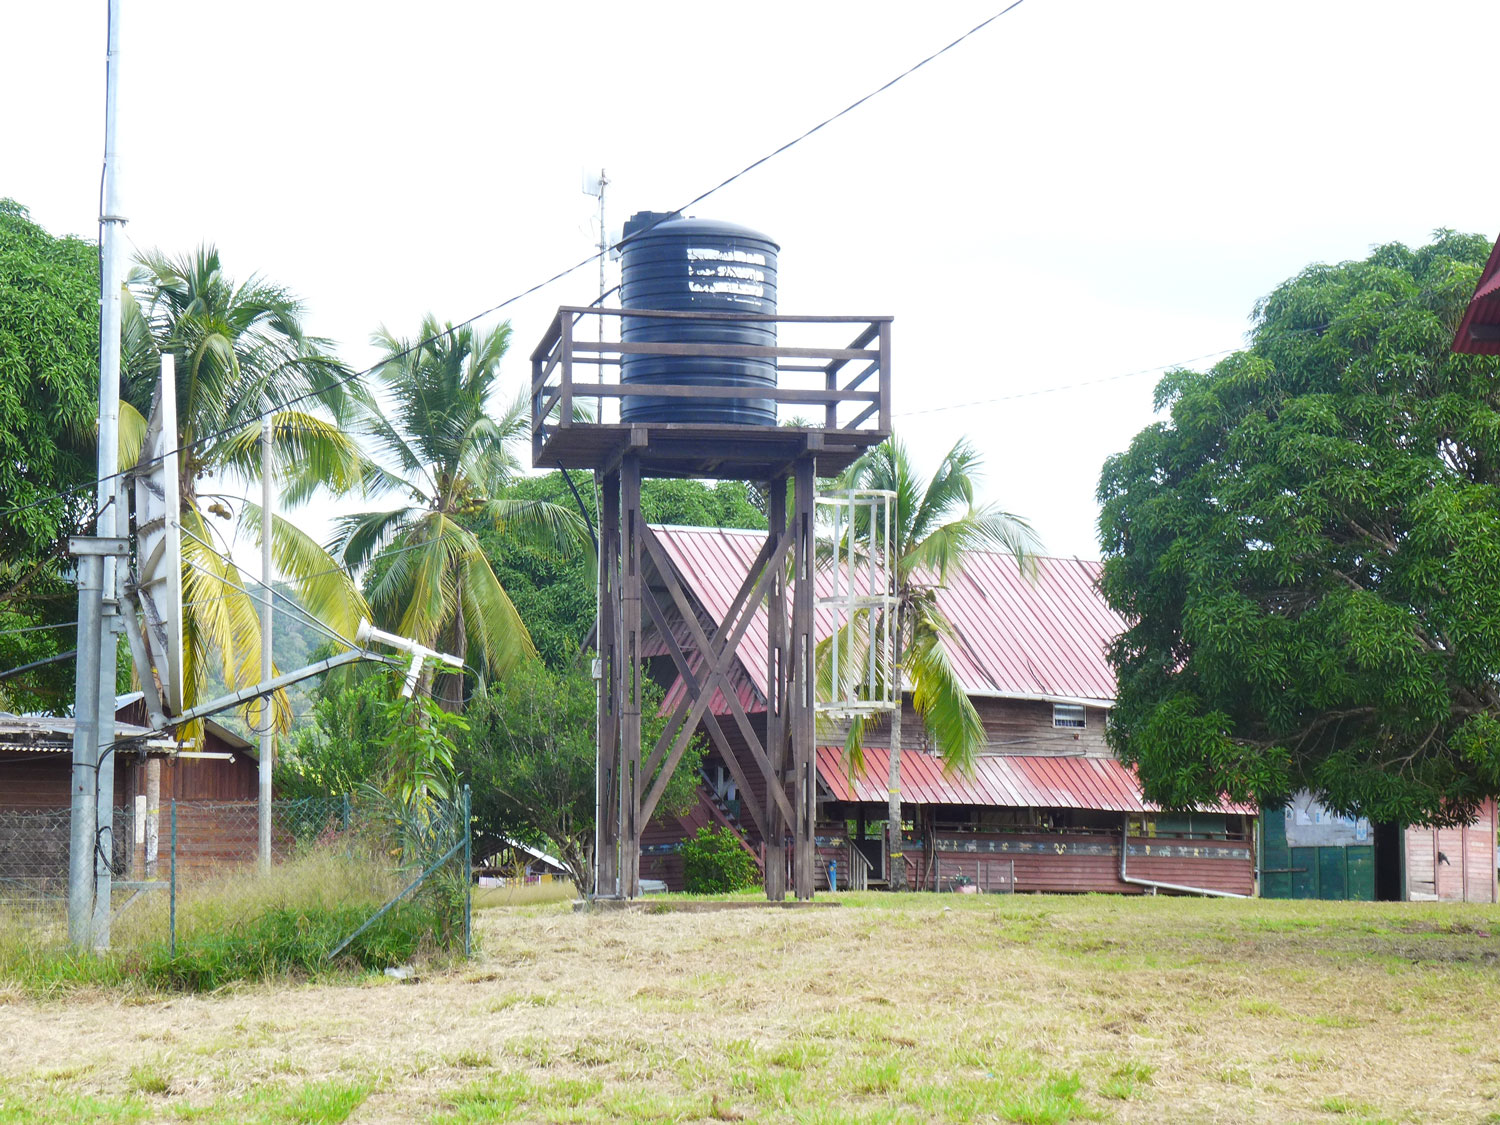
x: 895, y: 865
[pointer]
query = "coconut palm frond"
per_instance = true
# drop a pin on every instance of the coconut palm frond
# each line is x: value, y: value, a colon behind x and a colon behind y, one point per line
x: 225, y: 621
x: 938, y: 695
x: 494, y: 625
x: 359, y: 538
x: 325, y: 589
x: 132, y: 435
x: 310, y: 453
x: 542, y: 524
x: 431, y: 585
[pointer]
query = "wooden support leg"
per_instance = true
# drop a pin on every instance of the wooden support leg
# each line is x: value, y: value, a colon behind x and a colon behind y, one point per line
x: 153, y: 813
x: 607, y: 809
x: 802, y: 681
x: 630, y: 655
x: 777, y: 715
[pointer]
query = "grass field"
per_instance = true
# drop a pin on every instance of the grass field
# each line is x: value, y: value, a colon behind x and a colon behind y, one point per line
x: 909, y: 1008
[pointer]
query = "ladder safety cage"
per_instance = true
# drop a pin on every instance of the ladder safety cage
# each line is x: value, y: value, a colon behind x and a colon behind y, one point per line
x: 857, y: 558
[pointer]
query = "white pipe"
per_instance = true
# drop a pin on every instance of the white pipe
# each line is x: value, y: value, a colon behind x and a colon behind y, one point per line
x: 1155, y: 884
x: 367, y: 633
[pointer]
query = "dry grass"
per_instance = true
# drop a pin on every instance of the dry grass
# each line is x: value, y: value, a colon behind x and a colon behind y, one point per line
x: 529, y: 894
x: 911, y: 1008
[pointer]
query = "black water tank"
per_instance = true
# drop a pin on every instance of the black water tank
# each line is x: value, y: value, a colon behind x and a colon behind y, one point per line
x: 697, y: 265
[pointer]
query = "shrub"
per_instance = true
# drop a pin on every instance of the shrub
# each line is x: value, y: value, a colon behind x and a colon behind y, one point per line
x: 715, y: 861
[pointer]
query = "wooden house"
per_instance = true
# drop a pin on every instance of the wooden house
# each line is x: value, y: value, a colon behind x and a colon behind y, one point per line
x: 1047, y: 807
x: 216, y: 790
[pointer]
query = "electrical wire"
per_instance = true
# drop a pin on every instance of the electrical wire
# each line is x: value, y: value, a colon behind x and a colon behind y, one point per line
x: 1064, y: 387
x: 558, y: 276
x: 38, y: 628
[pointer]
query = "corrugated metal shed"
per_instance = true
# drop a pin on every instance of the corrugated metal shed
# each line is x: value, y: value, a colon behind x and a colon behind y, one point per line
x: 1007, y: 780
x: 1479, y: 331
x: 1016, y: 638
x: 51, y: 733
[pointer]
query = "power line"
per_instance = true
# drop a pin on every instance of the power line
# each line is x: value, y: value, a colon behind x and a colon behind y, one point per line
x: 39, y: 628
x: 1264, y: 338
x: 1065, y: 386
x: 214, y: 436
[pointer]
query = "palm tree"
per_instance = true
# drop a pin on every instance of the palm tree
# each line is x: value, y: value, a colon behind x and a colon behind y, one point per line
x: 452, y: 461
x: 935, y: 523
x: 238, y: 348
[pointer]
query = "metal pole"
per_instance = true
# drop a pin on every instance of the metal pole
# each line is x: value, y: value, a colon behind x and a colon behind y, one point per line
x: 112, y: 514
x: 267, y: 725
x: 95, y: 568
x: 85, y: 752
x: 468, y: 876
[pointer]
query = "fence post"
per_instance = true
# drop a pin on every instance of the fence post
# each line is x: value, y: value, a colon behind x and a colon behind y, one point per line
x: 347, y: 811
x: 172, y: 908
x: 468, y: 877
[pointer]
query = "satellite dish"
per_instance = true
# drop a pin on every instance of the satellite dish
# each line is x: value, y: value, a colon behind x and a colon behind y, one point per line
x: 158, y: 540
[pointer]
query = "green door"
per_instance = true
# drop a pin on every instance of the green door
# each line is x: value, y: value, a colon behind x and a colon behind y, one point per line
x: 1333, y: 875
x: 1361, y: 860
x: 1304, y: 872
x: 1275, y: 857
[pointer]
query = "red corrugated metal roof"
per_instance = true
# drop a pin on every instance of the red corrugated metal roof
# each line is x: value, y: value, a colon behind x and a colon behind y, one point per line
x: 1483, y: 311
x: 1015, y: 637
x: 1010, y: 780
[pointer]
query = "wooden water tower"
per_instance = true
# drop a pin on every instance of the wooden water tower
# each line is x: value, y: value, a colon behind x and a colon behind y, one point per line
x: 696, y: 377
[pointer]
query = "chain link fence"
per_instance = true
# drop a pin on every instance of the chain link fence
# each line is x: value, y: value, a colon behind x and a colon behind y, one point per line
x: 345, y: 872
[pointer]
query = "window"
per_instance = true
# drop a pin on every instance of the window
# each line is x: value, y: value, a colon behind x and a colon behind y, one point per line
x: 1068, y: 715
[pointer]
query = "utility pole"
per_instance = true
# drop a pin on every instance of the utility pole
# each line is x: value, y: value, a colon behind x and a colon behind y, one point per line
x: 98, y: 576
x: 267, y: 710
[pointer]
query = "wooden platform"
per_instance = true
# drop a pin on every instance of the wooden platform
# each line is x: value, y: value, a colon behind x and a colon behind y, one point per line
x: 839, y: 386
x: 673, y: 449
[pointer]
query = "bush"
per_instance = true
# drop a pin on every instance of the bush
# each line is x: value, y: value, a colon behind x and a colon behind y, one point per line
x: 715, y: 862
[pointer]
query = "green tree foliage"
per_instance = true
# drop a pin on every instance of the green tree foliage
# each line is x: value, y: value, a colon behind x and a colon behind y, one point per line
x: 529, y: 755
x: 555, y: 594
x: 49, y: 393
x: 1308, y: 551
x: 451, y: 461
x: 341, y: 745
x: 366, y: 734
x: 715, y: 862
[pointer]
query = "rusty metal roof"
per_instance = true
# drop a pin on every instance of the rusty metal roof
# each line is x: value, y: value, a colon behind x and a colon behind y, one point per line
x: 1008, y: 780
x: 52, y: 733
x: 1479, y: 331
x: 1015, y: 637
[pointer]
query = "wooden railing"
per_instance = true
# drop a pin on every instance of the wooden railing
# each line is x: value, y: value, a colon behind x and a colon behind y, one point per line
x: 848, y: 379
x: 859, y: 869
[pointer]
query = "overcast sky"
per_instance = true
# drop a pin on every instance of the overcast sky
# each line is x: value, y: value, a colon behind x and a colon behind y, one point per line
x: 1084, y: 189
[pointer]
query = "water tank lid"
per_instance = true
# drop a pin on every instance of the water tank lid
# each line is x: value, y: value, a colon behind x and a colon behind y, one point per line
x: 672, y: 225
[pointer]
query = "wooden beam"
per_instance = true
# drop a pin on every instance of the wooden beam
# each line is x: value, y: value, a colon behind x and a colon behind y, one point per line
x: 607, y: 809
x: 630, y: 718
x: 680, y: 735
x: 802, y: 710
x: 776, y: 713
x: 722, y: 648
x: 680, y: 314
x: 792, y: 395
x: 722, y: 351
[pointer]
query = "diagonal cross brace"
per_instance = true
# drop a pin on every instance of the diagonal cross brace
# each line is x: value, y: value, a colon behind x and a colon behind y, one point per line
x: 720, y: 651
